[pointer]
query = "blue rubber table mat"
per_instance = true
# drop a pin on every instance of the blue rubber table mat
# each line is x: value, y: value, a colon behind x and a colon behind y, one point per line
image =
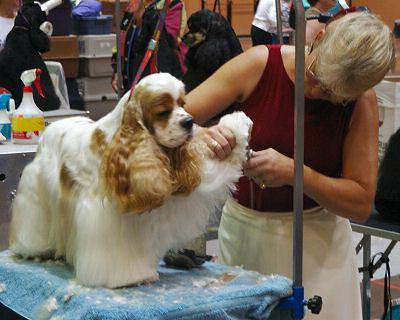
x: 47, y: 290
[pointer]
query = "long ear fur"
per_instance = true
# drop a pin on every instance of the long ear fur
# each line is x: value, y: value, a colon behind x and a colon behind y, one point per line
x: 135, y: 171
x: 186, y: 165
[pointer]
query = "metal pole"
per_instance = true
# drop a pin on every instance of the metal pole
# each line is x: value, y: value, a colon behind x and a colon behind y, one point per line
x: 279, y: 20
x: 255, y: 5
x: 215, y: 6
x: 117, y: 31
x: 229, y: 12
x: 366, y: 281
x: 298, y: 146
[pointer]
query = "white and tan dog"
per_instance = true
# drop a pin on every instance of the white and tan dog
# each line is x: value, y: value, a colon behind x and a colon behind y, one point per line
x: 113, y: 196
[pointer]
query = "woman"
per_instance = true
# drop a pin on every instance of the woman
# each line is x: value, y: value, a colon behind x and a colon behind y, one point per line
x: 341, y: 127
x: 138, y: 28
x: 263, y: 27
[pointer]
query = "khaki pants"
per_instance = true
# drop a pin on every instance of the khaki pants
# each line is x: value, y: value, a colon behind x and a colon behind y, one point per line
x: 262, y: 242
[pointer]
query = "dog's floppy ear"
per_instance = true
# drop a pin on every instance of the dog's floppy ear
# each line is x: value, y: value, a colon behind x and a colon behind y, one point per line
x: 186, y: 165
x: 134, y: 170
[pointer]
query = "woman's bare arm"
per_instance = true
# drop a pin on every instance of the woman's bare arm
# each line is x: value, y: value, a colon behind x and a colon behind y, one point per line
x: 234, y: 81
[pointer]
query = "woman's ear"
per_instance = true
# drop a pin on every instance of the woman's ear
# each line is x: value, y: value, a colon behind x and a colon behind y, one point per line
x: 318, y: 36
x: 314, y: 33
x: 135, y: 172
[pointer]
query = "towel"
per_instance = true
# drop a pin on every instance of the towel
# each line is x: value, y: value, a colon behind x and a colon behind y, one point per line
x: 48, y: 290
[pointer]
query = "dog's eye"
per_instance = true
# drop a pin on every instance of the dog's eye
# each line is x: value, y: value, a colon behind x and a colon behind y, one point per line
x: 163, y: 114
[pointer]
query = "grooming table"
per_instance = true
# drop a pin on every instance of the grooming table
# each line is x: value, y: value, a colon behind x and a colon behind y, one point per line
x: 47, y: 290
x: 378, y: 227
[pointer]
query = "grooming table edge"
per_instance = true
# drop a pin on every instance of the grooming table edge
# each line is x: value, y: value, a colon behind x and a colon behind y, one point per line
x: 378, y: 227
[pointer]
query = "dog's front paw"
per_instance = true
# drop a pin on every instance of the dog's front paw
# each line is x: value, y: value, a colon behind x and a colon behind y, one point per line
x: 240, y: 125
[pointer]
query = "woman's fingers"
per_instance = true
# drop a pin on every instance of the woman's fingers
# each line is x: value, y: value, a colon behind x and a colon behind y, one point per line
x: 270, y: 167
x: 221, y: 141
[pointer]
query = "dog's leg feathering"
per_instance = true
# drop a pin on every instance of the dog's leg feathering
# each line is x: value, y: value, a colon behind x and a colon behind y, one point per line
x: 31, y: 216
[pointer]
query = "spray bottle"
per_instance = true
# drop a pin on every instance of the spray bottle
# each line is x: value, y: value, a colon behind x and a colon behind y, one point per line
x: 28, y: 120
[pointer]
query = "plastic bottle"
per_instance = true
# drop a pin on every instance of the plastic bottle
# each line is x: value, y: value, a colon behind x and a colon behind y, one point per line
x: 28, y: 120
x: 5, y: 123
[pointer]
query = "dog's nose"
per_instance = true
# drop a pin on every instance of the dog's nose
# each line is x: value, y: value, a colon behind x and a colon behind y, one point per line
x: 188, y: 39
x: 187, y: 123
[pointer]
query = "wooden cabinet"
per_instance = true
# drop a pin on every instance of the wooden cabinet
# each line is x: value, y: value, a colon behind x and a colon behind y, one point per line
x: 388, y: 10
x: 192, y: 6
x: 242, y: 12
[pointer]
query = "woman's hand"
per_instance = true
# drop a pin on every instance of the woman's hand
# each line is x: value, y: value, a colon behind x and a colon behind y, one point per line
x: 269, y: 168
x: 220, y: 140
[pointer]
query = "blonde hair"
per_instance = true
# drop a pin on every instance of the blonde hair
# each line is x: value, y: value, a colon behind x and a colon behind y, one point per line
x: 355, y: 54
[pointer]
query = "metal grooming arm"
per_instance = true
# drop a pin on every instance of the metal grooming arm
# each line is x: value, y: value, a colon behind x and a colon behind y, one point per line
x: 297, y: 302
x: 298, y: 145
x: 279, y: 20
x: 229, y: 11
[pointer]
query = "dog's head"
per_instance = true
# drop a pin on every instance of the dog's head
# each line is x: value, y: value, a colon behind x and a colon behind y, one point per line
x: 149, y: 158
x: 157, y: 102
x: 31, y: 18
x: 211, y: 42
x: 204, y: 23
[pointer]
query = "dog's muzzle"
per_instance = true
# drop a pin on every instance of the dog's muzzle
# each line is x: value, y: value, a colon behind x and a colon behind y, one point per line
x: 193, y: 39
x: 187, y: 123
x: 47, y: 28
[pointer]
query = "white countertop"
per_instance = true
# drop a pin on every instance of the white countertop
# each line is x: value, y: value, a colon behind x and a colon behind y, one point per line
x: 10, y: 148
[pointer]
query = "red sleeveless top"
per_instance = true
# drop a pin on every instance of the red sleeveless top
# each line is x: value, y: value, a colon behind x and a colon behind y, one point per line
x: 271, y: 107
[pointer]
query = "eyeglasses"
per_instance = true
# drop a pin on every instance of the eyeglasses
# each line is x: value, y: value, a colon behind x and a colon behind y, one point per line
x: 327, y: 18
x: 328, y: 93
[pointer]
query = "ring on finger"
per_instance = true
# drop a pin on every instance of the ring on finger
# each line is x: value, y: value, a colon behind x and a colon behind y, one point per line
x: 213, y: 144
x: 250, y: 154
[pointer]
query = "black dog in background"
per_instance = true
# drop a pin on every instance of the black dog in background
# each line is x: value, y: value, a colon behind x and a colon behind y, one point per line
x: 387, y: 198
x: 22, y: 51
x: 211, y: 42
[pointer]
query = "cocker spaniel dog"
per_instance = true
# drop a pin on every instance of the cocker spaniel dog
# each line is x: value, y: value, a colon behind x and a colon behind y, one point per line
x: 113, y: 196
x: 211, y: 42
x: 22, y: 49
